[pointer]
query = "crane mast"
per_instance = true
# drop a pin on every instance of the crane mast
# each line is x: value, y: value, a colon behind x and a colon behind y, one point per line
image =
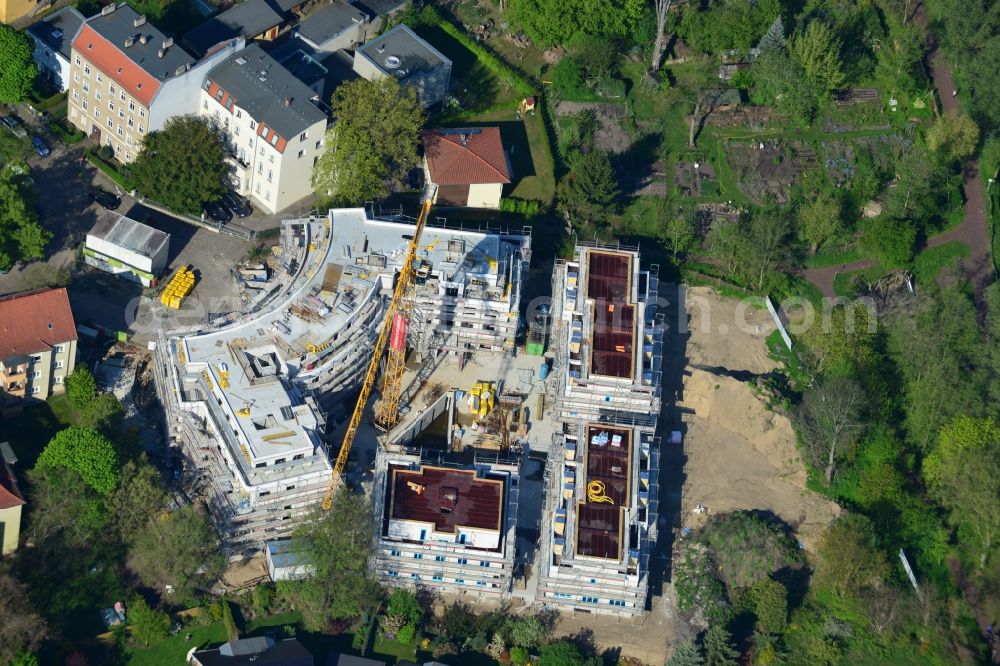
x: 388, y: 330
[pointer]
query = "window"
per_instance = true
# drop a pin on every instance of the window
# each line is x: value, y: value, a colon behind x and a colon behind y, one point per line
x: 267, y: 195
x: 418, y: 556
x: 439, y: 558
x: 237, y: 130
x: 76, y: 94
x: 142, y: 113
x: 460, y: 581
x: 484, y: 563
x: 274, y: 142
x: 111, y: 106
x: 257, y: 188
x: 59, y: 364
x: 59, y: 379
x: 616, y: 602
x: 97, y: 95
x: 128, y: 156
x: 111, y: 89
x: 59, y: 349
x: 121, y: 113
x: 462, y: 560
x: 318, y: 144
x: 131, y: 105
x: 120, y: 131
x: 291, y: 487
x: 260, y: 167
x: 270, y: 175
x: 111, y: 123
x: 265, y: 493
x: 302, y: 154
x: 593, y: 580
x: 36, y: 374
x: 394, y: 553
x: 261, y: 149
x: 253, y: 126
x: 76, y: 77
x: 100, y: 79
x: 302, y: 137
x: 86, y: 70
x: 415, y: 576
x: 589, y: 600
x: 480, y: 583
x: 239, y: 113
x: 259, y: 465
x: 86, y: 87
x: 84, y: 105
x: 141, y: 130
x: 122, y: 96
x: 204, y: 104
x: 279, y: 460
x: 563, y: 595
x: 35, y: 389
x: 270, y: 158
x: 130, y: 121
x: 97, y: 113
x: 461, y: 538
x: 423, y: 533
x: 437, y: 579
x: 78, y: 60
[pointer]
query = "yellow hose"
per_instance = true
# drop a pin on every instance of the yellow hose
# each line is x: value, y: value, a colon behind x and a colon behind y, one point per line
x: 595, y: 493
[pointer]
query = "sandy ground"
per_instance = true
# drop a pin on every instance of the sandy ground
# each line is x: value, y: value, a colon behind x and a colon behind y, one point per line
x: 740, y: 454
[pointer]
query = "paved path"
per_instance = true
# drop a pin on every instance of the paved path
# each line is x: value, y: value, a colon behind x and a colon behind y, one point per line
x: 973, y: 231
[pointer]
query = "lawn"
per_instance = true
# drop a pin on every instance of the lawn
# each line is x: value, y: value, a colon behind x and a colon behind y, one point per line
x: 393, y: 651
x: 843, y: 282
x: 31, y: 431
x: 535, y: 178
x: 930, y: 262
x: 825, y: 259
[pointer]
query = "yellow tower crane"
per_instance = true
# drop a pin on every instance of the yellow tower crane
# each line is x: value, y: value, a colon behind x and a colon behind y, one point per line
x: 398, y: 298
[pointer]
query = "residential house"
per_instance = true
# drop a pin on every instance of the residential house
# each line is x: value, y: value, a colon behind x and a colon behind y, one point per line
x: 379, y: 11
x: 11, y: 501
x: 334, y: 26
x: 402, y: 54
x: 11, y: 10
x: 129, y: 249
x: 129, y: 79
x: 258, y: 651
x: 37, y: 346
x: 274, y: 127
x: 468, y: 165
x: 338, y: 659
x: 53, y: 38
x: 254, y: 20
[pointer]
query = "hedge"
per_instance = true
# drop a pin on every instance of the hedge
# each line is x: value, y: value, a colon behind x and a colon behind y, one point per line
x: 67, y: 136
x: 526, y: 207
x: 110, y: 171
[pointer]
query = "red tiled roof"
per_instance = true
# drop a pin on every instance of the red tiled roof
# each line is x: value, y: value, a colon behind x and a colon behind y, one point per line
x: 465, y: 156
x: 116, y: 65
x: 34, y: 322
x: 449, y: 498
x: 10, y: 495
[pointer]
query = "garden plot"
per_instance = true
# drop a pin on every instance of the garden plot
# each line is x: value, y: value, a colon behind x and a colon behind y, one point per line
x: 609, y: 132
x: 766, y: 170
x: 695, y: 177
x: 842, y: 156
x: 745, y: 117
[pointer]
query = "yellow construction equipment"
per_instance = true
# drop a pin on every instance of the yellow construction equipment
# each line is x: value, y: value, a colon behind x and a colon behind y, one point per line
x: 482, y: 398
x: 380, y: 345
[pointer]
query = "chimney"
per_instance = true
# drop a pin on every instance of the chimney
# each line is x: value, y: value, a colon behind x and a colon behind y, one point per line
x: 139, y: 20
x: 129, y: 41
x: 143, y: 38
x: 167, y: 43
x: 160, y: 53
x: 464, y: 138
x: 288, y: 101
x: 108, y: 9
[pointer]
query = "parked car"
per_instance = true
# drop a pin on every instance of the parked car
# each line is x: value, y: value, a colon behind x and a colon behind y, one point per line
x: 14, y: 124
x: 40, y: 147
x: 216, y: 211
x: 106, y: 199
x: 237, y: 204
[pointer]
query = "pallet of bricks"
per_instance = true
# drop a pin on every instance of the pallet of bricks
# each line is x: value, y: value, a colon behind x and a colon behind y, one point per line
x: 178, y: 288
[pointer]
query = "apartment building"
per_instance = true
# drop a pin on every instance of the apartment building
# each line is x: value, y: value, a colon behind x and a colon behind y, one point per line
x: 601, y: 501
x: 37, y: 346
x: 128, y: 79
x: 53, y: 38
x: 273, y: 125
x: 446, y: 523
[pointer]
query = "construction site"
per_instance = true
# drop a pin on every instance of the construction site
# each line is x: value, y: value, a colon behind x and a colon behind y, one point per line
x: 502, y: 458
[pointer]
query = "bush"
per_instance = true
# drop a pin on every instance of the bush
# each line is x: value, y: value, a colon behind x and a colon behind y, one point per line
x: 526, y: 207
x: 567, y: 79
x: 406, y: 634
x: 81, y: 387
x: 519, y: 656
x: 262, y: 598
x: 610, y: 87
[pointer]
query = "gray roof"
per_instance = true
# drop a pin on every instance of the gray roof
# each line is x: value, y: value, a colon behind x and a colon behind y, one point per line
x: 119, y: 25
x: 247, y: 19
x: 380, y: 7
x: 57, y: 30
x: 337, y: 659
x: 329, y: 21
x: 261, y: 651
x: 129, y: 234
x: 262, y: 87
x: 401, y: 50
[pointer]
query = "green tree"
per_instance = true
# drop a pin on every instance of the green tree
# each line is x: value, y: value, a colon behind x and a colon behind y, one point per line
x: 921, y: 189
x: 21, y: 237
x: 561, y: 653
x: 182, y: 166
x: 526, y: 631
x: 81, y: 387
x: 717, y: 644
x: 137, y: 499
x: 744, y: 549
x: 898, y: 59
x: 817, y: 50
x: 337, y: 544
x: 18, y: 72
x: 550, y: 22
x: 23, y: 658
x: 372, y: 142
x: 830, y: 420
x: 685, y: 653
x: 181, y: 549
x: 22, y: 627
x: 963, y: 474
x: 782, y: 82
x: 148, y: 624
x: 984, y: 84
x: 819, y: 220
x: 86, y: 452
x: 402, y: 612
x: 769, y: 599
x: 104, y: 412
x: 678, y: 234
x: 848, y: 560
x: 774, y: 39
x: 64, y: 504
x: 953, y: 136
x: 846, y: 342
x: 589, y: 193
